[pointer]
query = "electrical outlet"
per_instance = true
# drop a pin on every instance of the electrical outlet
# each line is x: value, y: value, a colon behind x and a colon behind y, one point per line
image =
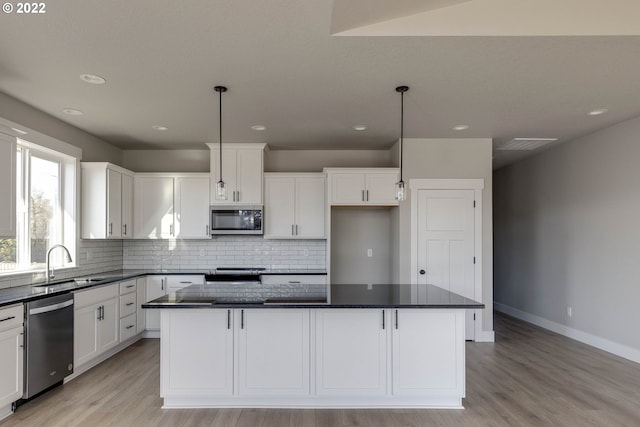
x: 369, y: 253
x: 569, y: 311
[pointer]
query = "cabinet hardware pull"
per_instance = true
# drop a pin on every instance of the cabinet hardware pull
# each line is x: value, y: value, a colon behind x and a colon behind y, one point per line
x: 228, y: 319
x: 296, y: 229
x: 186, y: 282
x: 102, y: 311
x: 7, y: 318
x: 129, y: 303
x: 238, y: 198
x: 171, y: 229
x: 383, y: 325
x: 130, y: 326
x: 396, y: 319
x: 110, y: 229
x: 130, y: 286
x: 367, y: 195
x: 206, y: 230
x: 124, y: 226
x: 295, y: 282
x: 363, y: 195
x: 241, y: 319
x: 162, y: 284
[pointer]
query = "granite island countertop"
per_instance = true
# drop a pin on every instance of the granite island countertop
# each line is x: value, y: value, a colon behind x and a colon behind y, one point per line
x: 342, y: 296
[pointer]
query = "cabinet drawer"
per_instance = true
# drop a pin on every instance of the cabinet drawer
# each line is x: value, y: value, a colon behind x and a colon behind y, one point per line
x: 11, y: 317
x: 95, y: 296
x: 184, y: 281
x: 302, y: 279
x: 127, y: 287
x: 127, y: 327
x: 127, y: 304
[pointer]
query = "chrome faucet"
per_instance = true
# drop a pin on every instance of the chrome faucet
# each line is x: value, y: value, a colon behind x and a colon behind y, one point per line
x: 49, y: 273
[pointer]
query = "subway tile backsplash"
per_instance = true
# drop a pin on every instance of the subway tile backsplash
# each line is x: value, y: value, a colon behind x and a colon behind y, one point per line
x: 241, y: 251
x: 93, y: 256
x: 97, y: 256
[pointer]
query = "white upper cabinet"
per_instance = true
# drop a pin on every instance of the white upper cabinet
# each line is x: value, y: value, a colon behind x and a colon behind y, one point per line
x: 242, y: 170
x: 294, y: 206
x: 192, y: 206
x: 153, y: 206
x: 107, y: 201
x: 8, y: 186
x: 171, y: 206
x: 355, y: 187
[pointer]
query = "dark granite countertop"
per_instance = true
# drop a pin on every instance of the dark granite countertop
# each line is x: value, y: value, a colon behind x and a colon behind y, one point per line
x: 342, y: 296
x: 34, y: 291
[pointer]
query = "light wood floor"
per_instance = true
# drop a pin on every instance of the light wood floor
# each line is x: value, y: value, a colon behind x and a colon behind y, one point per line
x: 529, y: 377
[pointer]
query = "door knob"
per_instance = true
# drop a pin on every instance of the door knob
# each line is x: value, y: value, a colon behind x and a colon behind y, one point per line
x: 422, y: 272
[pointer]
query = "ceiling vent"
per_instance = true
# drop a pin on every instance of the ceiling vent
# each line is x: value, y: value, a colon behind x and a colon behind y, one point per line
x: 526, y: 143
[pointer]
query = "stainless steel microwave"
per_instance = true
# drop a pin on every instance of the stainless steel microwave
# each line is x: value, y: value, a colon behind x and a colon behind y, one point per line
x: 236, y: 219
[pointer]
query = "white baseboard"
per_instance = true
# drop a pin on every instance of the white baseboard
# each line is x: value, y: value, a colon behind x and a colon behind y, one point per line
x: 621, y: 350
x: 485, y: 336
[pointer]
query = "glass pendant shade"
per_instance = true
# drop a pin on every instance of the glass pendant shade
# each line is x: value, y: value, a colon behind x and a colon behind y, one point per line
x: 221, y: 191
x: 401, y: 192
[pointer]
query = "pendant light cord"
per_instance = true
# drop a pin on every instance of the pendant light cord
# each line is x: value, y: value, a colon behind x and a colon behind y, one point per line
x: 220, y: 139
x: 401, y: 130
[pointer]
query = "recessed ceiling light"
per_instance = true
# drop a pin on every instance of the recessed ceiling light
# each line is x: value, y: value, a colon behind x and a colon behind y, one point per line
x: 72, y: 112
x: 158, y: 127
x: 461, y: 127
x: 20, y: 131
x: 597, y: 112
x: 258, y: 127
x: 93, y: 79
x: 360, y: 127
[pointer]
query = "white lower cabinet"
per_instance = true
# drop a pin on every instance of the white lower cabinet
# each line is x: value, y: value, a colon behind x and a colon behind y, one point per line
x: 11, y: 356
x: 428, y: 352
x: 196, y: 360
x: 156, y: 287
x: 96, y: 322
x: 273, y: 352
x: 141, y: 298
x: 351, y: 352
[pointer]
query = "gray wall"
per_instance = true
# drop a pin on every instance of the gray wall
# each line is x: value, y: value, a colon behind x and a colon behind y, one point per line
x: 166, y: 160
x: 450, y: 158
x: 567, y: 234
x: 93, y: 149
x: 353, y: 231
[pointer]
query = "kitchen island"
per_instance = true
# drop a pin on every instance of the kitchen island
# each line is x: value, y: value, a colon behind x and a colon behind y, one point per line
x: 370, y: 346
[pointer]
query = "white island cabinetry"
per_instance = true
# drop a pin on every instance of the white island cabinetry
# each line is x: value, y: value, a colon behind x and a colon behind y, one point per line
x: 312, y: 357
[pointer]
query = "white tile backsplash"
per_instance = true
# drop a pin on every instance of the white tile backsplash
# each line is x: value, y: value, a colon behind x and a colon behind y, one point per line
x: 93, y: 256
x: 242, y: 251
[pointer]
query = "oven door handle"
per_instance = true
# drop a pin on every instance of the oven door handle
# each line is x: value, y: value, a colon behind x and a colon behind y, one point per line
x: 234, y: 282
x: 52, y: 307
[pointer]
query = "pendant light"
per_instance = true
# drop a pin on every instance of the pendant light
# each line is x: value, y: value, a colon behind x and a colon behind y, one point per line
x: 221, y: 189
x: 401, y: 193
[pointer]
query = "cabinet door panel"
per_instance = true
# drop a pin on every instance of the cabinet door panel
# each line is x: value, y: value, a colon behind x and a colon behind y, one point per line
x: 192, y: 207
x: 109, y: 325
x: 347, y: 189
x: 274, y: 352
x: 351, y: 352
x: 197, y: 349
x: 381, y: 188
x: 127, y: 206
x: 310, y: 208
x: 114, y: 204
x: 279, y: 207
x: 249, y: 176
x: 11, y: 365
x: 85, y: 334
x: 153, y: 207
x: 428, y: 352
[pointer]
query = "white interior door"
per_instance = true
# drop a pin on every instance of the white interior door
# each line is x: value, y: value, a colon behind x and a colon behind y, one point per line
x: 446, y: 243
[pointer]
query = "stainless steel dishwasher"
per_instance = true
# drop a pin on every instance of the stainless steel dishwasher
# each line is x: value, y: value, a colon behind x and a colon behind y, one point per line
x: 49, y: 343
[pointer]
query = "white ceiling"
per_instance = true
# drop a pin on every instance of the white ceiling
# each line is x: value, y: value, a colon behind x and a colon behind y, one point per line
x: 482, y: 63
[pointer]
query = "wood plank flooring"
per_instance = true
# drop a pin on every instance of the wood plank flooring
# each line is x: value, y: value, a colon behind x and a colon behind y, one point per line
x: 529, y: 377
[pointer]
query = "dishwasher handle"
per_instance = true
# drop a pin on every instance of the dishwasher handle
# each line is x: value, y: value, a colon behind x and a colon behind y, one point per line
x: 52, y: 307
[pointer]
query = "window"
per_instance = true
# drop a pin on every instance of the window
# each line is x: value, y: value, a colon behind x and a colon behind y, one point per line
x: 45, y: 209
